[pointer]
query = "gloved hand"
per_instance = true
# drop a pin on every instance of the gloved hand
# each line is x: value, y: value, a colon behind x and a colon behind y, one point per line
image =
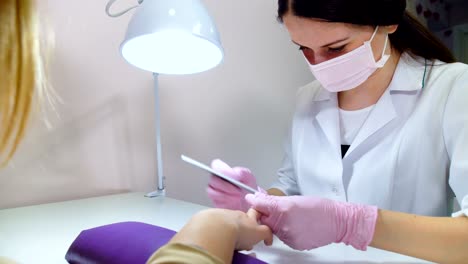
x: 305, y: 223
x: 226, y: 195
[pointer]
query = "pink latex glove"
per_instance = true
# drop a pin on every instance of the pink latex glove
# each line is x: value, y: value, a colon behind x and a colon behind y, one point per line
x: 226, y: 195
x: 305, y: 223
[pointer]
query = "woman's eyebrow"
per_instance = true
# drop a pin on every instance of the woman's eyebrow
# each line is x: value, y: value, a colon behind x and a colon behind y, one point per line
x: 335, y: 42
x: 324, y: 46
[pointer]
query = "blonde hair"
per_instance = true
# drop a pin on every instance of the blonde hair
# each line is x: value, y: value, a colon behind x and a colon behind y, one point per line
x: 21, y: 71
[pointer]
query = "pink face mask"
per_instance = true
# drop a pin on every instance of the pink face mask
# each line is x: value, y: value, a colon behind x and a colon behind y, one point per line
x: 349, y: 70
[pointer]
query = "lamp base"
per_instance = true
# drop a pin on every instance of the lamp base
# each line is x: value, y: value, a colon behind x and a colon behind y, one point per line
x: 157, y: 193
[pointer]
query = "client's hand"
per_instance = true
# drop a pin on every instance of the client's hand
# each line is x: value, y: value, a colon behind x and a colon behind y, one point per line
x: 221, y: 231
x: 249, y: 231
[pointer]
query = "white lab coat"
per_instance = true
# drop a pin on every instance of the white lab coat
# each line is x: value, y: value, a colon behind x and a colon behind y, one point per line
x: 411, y: 155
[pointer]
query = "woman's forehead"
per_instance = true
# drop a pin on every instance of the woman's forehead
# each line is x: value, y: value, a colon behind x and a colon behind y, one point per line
x: 314, y: 32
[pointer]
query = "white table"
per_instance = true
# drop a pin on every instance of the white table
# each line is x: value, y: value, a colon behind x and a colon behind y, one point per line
x: 42, y: 234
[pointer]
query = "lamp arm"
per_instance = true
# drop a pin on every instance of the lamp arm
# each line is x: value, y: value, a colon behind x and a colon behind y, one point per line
x: 111, y: 2
x: 161, y: 191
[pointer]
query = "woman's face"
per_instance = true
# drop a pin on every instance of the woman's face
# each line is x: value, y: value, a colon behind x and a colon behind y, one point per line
x: 320, y: 40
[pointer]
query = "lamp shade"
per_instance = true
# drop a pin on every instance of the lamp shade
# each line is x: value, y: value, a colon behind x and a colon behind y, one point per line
x: 172, y: 37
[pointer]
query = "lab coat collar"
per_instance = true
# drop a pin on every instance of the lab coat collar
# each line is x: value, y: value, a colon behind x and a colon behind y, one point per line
x: 380, y: 116
x: 323, y: 95
x: 328, y: 119
x: 410, y: 72
x: 408, y: 77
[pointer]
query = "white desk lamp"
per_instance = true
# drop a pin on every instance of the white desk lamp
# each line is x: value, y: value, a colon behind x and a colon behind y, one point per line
x: 169, y: 37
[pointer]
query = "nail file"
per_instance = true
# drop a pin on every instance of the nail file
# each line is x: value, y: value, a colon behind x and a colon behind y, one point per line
x: 219, y: 174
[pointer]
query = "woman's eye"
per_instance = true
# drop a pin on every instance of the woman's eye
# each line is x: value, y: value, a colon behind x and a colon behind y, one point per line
x: 337, y: 49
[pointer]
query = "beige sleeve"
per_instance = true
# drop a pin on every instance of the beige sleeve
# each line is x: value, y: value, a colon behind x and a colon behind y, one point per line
x: 178, y: 253
x: 4, y: 260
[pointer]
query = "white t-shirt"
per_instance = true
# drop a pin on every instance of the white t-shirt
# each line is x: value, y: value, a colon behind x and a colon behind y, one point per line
x: 351, y: 122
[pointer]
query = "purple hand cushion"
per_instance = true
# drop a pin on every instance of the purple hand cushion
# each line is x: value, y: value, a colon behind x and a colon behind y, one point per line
x: 124, y: 243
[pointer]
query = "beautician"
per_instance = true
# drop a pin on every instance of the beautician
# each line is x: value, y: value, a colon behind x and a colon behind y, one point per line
x: 378, y: 146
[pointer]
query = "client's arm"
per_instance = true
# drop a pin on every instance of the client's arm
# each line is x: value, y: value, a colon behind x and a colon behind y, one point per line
x: 217, y: 232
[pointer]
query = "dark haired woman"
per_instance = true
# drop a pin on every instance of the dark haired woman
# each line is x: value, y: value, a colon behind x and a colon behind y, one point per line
x: 379, y: 142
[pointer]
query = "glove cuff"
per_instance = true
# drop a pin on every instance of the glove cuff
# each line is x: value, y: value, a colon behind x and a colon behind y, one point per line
x: 360, y: 225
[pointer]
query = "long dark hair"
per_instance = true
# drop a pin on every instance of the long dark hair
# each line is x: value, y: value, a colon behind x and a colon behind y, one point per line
x: 411, y: 36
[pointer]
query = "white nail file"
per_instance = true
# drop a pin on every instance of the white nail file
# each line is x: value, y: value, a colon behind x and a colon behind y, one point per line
x: 222, y: 176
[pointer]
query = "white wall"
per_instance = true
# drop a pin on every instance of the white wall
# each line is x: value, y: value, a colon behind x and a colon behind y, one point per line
x: 103, y: 139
